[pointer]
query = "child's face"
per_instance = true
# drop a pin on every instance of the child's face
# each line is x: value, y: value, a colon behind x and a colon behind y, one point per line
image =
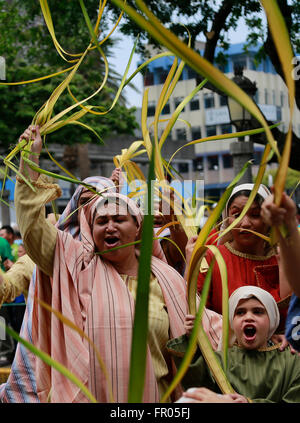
x: 251, y: 324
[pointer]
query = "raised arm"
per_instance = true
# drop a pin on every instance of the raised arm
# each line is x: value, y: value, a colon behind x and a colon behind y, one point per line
x: 289, y: 247
x: 39, y: 236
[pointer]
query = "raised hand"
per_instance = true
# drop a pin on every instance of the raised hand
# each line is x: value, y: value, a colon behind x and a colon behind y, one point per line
x: 274, y: 215
x: 32, y: 133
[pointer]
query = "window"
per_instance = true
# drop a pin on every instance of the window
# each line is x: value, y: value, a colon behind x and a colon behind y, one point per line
x: 177, y: 101
x: 181, y: 134
x: 281, y: 99
x: 198, y: 164
x: 266, y: 96
x: 162, y: 75
x: 211, y: 130
x: 209, y: 101
x: 166, y: 109
x: 274, y: 97
x: 226, y: 128
x: 151, y: 109
x: 149, y: 79
x: 278, y: 113
x: 223, y: 100
x: 256, y: 97
x: 257, y: 155
x: 195, y: 104
x: 183, y: 167
x: 264, y: 63
x: 252, y: 64
x: 213, y: 162
x: 196, y: 132
x: 240, y: 62
x: 227, y: 161
x: 191, y: 73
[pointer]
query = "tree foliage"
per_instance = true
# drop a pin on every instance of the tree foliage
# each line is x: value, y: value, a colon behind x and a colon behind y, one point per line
x: 211, y: 20
x: 292, y: 179
x: 29, y: 52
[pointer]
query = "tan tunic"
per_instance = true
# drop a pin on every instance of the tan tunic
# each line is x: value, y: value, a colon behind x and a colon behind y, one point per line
x: 16, y: 280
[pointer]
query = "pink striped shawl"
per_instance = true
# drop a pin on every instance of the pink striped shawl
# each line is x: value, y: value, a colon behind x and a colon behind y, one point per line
x: 21, y: 384
x: 90, y: 292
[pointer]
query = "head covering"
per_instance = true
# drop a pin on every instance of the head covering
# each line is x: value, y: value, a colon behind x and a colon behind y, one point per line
x: 263, y: 296
x: 91, y: 211
x: 262, y: 191
x: 68, y: 221
x: 91, y: 293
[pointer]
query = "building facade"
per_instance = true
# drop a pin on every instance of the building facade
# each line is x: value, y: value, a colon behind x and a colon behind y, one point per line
x: 97, y: 160
x: 207, y: 113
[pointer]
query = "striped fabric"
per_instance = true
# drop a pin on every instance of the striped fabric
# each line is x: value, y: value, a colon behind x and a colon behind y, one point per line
x: 68, y: 221
x: 103, y: 310
x: 74, y: 278
x: 21, y: 384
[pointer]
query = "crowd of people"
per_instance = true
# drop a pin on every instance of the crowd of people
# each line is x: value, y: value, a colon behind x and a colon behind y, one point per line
x: 75, y: 265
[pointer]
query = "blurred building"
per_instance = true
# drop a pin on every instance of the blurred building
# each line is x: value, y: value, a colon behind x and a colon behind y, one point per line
x: 207, y: 113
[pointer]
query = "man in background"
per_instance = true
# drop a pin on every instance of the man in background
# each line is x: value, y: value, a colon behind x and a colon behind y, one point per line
x: 8, y: 233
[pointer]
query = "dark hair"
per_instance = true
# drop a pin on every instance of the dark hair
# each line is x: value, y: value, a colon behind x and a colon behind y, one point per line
x: 246, y: 193
x: 8, y: 229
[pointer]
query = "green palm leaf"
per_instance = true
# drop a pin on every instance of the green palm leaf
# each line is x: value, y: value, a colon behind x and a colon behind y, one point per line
x: 140, y: 327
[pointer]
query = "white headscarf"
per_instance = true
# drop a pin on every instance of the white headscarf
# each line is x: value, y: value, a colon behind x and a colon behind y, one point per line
x: 262, y: 191
x: 263, y: 296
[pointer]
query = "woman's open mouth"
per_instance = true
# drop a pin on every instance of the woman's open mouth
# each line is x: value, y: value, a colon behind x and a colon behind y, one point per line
x: 250, y: 332
x: 245, y: 233
x: 111, y: 241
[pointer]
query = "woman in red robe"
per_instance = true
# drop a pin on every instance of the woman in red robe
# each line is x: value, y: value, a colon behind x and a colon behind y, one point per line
x: 249, y: 259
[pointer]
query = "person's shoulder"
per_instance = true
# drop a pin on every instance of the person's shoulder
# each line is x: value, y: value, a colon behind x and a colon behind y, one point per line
x: 163, y: 264
x: 3, y: 241
x: 4, y: 244
x: 166, y: 268
x: 223, y: 248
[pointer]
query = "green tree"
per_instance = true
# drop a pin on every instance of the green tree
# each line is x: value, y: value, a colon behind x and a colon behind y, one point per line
x: 28, y: 48
x: 292, y: 179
